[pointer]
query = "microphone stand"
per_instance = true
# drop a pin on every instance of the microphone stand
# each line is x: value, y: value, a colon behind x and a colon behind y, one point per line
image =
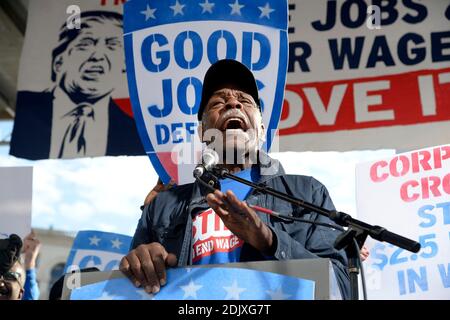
x: 356, y: 233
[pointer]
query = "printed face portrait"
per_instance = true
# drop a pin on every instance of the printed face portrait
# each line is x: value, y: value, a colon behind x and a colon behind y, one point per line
x: 93, y: 60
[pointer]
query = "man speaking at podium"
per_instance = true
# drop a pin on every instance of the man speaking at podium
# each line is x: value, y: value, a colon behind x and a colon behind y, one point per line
x: 188, y: 224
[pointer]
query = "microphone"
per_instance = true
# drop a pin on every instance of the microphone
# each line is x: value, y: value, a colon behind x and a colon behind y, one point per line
x: 210, y: 158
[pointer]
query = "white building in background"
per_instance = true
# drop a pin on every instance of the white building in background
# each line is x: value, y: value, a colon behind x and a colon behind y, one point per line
x: 55, y: 248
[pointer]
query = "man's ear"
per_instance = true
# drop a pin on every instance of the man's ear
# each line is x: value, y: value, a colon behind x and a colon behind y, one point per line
x: 21, y: 293
x: 57, y: 64
x: 263, y: 129
x: 262, y: 133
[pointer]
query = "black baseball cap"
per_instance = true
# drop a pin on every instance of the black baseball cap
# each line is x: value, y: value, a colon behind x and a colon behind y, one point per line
x: 9, y: 252
x: 224, y: 73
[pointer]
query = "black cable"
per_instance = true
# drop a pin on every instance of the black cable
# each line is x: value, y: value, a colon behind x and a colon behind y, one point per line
x: 281, y: 216
x: 206, y: 185
x: 324, y: 224
x: 363, y: 277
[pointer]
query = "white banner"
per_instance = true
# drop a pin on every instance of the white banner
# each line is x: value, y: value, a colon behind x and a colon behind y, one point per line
x: 367, y: 77
x: 409, y: 194
x: 360, y: 76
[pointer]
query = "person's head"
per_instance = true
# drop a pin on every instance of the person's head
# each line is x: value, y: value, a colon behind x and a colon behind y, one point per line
x: 12, y: 274
x: 229, y: 109
x: 12, y: 283
x: 88, y: 60
x: 56, y: 291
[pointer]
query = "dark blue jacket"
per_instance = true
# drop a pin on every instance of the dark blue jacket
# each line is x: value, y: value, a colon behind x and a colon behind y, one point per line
x: 167, y: 220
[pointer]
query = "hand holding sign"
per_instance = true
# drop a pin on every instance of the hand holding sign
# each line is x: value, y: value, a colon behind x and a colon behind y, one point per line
x: 146, y: 266
x: 31, y: 248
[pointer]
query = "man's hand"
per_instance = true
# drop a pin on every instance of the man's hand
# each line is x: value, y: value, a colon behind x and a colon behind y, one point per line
x: 241, y: 220
x: 31, y: 248
x: 159, y: 187
x: 146, y: 266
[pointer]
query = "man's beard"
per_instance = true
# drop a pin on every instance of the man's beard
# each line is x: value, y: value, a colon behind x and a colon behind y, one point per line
x: 240, y: 149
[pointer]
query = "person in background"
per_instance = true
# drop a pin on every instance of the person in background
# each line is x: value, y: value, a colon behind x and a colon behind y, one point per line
x: 364, y: 253
x: 57, y: 288
x: 159, y: 187
x: 12, y: 275
x: 31, y: 248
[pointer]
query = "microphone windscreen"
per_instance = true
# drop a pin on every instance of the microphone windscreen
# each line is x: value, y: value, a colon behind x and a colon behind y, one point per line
x: 210, y: 158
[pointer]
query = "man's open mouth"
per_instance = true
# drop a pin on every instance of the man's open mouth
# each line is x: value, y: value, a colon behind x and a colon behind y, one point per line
x: 234, y: 123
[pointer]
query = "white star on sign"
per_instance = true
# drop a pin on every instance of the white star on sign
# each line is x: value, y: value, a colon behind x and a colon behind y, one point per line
x: 105, y: 296
x: 177, y: 8
x: 234, y: 291
x: 266, y: 11
x: 207, y: 6
x: 190, y: 290
x: 149, y: 13
x: 116, y: 243
x: 144, y: 295
x: 278, y: 295
x: 93, y: 241
x: 236, y: 8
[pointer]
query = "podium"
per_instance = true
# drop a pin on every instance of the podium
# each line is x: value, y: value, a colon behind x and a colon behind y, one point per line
x: 318, y: 270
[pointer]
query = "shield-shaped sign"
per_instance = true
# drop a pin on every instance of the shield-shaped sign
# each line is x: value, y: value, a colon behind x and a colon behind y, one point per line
x: 169, y: 45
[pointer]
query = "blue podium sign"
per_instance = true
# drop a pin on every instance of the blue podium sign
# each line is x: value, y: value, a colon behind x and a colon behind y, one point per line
x: 205, y: 284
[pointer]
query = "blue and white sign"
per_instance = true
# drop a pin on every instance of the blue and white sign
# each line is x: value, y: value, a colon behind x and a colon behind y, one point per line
x: 102, y: 250
x: 169, y: 45
x: 205, y: 284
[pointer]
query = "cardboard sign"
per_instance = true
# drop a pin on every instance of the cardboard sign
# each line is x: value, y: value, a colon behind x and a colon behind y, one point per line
x: 72, y: 98
x: 367, y: 75
x: 408, y: 194
x: 16, y: 185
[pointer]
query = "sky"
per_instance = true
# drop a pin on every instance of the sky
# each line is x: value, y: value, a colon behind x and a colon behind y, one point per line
x: 105, y: 193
